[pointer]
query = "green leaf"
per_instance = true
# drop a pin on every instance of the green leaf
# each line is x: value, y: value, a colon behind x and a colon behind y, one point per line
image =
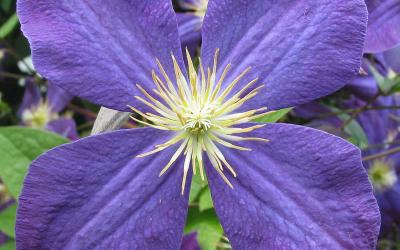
x: 207, y: 226
x: 10, y: 245
x: 7, y: 220
x: 356, y: 132
x: 358, y: 136
x: 389, y: 84
x: 274, y: 116
x: 205, y: 201
x: 18, y: 148
x: 9, y: 26
x: 6, y: 5
x: 197, y: 186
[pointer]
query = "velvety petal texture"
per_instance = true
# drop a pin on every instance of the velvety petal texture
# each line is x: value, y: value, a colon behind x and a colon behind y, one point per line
x: 95, y: 194
x: 305, y: 189
x: 383, y: 25
x: 300, y: 50
x: 99, y: 50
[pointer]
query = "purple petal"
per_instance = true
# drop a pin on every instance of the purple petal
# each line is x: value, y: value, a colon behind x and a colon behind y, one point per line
x: 95, y: 194
x: 65, y: 127
x: 305, y: 189
x: 383, y: 25
x: 389, y: 204
x: 364, y: 87
x: 189, y: 242
x: 100, y: 50
x: 31, y: 97
x: 57, y: 97
x: 392, y: 59
x: 301, y: 50
x: 3, y: 239
x: 189, y: 26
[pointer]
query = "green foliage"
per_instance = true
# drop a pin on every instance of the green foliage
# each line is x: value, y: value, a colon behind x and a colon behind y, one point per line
x: 8, y: 246
x: 387, y: 85
x: 355, y: 131
x: 8, y: 26
x: 7, y: 220
x: 4, y: 108
x: 5, y: 5
x: 274, y: 116
x: 205, y: 200
x: 207, y: 226
x: 18, y: 148
x: 197, y: 186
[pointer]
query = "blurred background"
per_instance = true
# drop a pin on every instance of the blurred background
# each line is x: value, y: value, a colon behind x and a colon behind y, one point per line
x: 36, y: 116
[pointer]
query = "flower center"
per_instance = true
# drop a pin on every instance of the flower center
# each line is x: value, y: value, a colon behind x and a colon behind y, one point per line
x: 38, y: 116
x: 200, y: 112
x: 382, y: 175
x: 198, y: 121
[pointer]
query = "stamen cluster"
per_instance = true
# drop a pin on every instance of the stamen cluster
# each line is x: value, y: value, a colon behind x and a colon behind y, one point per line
x: 199, y: 111
x: 198, y: 7
x: 38, y: 116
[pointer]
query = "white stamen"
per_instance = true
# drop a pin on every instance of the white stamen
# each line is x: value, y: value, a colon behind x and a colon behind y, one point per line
x: 196, y: 109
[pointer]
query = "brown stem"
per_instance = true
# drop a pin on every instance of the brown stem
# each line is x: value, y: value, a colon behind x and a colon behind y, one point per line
x: 382, y: 154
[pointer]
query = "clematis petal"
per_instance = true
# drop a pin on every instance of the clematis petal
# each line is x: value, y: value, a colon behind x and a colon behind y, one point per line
x: 392, y: 59
x: 95, y: 194
x: 383, y: 25
x: 364, y: 87
x: 389, y: 204
x: 65, y: 127
x: 300, y: 50
x: 189, y: 26
x: 305, y: 189
x: 31, y: 97
x: 100, y: 50
x: 57, y: 97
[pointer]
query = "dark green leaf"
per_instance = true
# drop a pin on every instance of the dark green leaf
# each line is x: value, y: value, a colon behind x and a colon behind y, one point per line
x: 18, y: 148
x: 6, y: 5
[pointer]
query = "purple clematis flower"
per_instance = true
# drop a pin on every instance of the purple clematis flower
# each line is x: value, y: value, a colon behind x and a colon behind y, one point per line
x: 382, y: 130
x: 38, y: 112
x: 383, y: 25
x: 129, y: 189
